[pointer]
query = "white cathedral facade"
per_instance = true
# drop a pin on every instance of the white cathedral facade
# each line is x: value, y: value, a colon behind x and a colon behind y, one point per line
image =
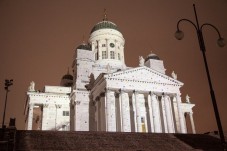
x: 105, y: 95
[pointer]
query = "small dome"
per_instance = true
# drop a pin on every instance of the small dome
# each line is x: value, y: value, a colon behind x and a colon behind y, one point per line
x: 104, y: 25
x: 84, y: 46
x: 67, y: 80
x: 152, y: 56
x: 68, y: 77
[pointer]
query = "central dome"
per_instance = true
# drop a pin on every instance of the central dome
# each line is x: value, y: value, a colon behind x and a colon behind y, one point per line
x: 104, y: 25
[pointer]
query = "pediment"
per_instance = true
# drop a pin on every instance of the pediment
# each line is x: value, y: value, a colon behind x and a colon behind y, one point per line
x: 143, y: 74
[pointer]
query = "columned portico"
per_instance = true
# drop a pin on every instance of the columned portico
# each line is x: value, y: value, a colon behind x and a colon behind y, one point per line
x: 160, y: 111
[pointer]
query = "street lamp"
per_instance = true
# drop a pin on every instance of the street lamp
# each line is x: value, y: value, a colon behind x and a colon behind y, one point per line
x: 179, y: 35
x: 8, y: 83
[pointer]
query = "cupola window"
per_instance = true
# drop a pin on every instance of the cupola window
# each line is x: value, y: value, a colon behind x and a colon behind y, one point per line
x: 65, y: 113
x: 119, y: 57
x: 104, y: 56
x: 112, y: 55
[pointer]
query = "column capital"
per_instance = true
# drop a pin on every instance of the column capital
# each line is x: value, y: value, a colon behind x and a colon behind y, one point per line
x: 151, y: 93
x: 135, y: 92
x: 45, y: 105
x: 97, y: 98
x: 177, y: 94
x: 77, y: 102
x: 102, y: 94
x: 58, y: 106
x: 31, y: 104
x: 190, y: 113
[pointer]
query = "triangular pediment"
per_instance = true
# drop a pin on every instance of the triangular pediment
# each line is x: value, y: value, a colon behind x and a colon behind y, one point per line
x: 143, y: 74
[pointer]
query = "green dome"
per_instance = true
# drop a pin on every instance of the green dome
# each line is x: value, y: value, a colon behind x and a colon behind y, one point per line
x: 104, y: 25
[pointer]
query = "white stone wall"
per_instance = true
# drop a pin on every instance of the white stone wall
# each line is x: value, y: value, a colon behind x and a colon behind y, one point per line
x: 81, y: 111
x: 57, y: 89
x: 156, y: 65
x: 52, y: 104
x: 83, y: 68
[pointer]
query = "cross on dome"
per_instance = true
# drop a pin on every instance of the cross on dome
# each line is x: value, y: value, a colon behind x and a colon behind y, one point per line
x: 105, y: 15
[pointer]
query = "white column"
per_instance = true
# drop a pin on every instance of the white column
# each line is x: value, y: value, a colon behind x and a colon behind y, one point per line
x: 125, y: 112
x: 138, y: 117
x: 192, y: 122
x: 164, y: 114
x: 143, y: 113
x: 134, y: 110
x: 103, y: 113
x: 118, y: 112
x: 44, y: 116
x: 176, y: 115
x: 30, y: 116
x: 180, y: 114
x: 110, y: 112
x: 58, y: 106
x: 97, y: 113
x: 156, y: 114
x: 149, y: 101
x: 169, y: 116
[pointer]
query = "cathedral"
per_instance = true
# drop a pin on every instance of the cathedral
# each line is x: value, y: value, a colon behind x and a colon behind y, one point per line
x: 104, y: 94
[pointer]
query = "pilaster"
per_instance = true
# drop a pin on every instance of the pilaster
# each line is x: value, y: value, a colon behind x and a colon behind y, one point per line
x: 30, y: 116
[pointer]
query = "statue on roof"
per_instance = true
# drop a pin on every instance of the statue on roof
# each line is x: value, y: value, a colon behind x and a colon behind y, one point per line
x: 174, y: 75
x: 105, y: 15
x: 187, y: 99
x: 141, y: 61
x: 108, y: 68
x: 32, y: 86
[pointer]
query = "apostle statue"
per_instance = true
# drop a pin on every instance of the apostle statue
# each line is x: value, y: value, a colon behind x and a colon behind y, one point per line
x: 108, y: 68
x: 174, y: 75
x: 141, y: 61
x: 32, y: 86
x: 187, y: 99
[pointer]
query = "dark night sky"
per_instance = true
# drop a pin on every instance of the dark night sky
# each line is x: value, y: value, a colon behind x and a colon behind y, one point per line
x: 38, y: 38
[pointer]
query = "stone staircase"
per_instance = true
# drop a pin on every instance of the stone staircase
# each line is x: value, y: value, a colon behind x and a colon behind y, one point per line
x: 7, y: 139
x: 60, y: 140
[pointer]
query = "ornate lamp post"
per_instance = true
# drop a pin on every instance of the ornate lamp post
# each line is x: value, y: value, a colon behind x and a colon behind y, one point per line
x: 179, y: 35
x: 8, y: 83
